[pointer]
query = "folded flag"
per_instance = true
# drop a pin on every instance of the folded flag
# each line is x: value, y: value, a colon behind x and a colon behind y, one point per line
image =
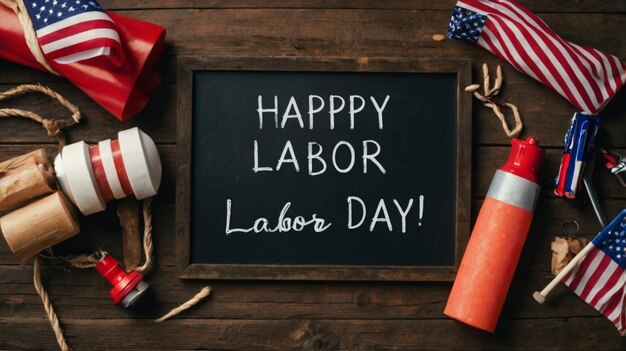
x: 601, y: 277
x: 72, y: 31
x: 586, y: 77
x: 108, y: 56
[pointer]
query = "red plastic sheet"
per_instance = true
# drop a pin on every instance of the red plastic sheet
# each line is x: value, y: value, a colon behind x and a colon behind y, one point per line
x: 124, y: 90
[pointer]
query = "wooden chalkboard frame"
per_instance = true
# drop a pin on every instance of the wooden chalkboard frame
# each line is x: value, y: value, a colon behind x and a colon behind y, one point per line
x: 187, y: 65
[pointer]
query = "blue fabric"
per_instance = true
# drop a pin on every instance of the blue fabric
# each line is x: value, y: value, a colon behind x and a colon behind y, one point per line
x: 46, y: 12
x: 612, y: 240
x: 466, y: 24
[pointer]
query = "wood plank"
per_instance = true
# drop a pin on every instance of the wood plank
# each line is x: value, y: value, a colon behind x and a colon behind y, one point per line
x: 326, y: 32
x: 77, y: 293
x: 159, y: 118
x: 232, y: 334
x: 594, y: 6
x: 13, y: 74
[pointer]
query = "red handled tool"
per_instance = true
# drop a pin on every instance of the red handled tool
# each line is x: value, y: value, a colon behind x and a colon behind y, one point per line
x: 127, y: 287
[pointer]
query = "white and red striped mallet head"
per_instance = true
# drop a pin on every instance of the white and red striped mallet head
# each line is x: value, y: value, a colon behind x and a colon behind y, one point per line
x: 114, y: 169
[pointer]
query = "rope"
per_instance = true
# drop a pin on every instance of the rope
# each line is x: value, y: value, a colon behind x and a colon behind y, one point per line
x: 490, y: 99
x: 77, y: 261
x: 90, y: 261
x: 204, y: 293
x: 29, y: 32
x: 147, y: 236
x: 52, y: 126
x: 52, y: 316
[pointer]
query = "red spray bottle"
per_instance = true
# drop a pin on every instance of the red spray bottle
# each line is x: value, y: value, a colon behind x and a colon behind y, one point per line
x: 496, y: 242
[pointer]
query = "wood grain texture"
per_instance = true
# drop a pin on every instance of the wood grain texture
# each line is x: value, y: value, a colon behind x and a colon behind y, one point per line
x: 317, y: 334
x: 275, y: 315
x: 592, y: 6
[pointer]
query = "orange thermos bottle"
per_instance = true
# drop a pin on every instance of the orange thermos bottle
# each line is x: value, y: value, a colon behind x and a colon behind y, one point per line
x: 495, y: 245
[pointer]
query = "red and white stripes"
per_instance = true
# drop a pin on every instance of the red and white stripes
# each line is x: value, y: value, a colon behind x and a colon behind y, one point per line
x: 586, y: 77
x: 113, y: 169
x: 81, y: 37
x: 601, y: 282
x: 109, y: 170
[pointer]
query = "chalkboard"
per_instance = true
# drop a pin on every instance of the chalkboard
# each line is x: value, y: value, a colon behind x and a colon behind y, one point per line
x: 289, y: 167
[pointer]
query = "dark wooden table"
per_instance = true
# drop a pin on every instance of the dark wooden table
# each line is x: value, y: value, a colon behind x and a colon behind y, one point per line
x: 249, y: 315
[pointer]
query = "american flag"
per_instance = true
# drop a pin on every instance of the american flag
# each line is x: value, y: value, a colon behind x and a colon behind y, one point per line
x: 601, y: 277
x: 70, y: 31
x: 586, y: 77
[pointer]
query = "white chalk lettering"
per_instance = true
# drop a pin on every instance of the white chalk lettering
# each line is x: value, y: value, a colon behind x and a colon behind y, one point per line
x: 256, y: 167
x: 347, y: 169
x: 380, y: 109
x: 296, y: 113
x: 312, y: 109
x: 292, y: 157
x: 333, y: 109
x: 353, y: 110
x: 381, y: 208
x: 355, y: 198
x: 315, y: 156
x: 372, y: 157
x: 284, y: 223
x: 262, y: 110
x: 403, y: 213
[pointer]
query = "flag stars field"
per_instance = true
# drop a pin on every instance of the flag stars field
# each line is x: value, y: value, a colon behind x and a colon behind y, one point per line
x: 69, y: 34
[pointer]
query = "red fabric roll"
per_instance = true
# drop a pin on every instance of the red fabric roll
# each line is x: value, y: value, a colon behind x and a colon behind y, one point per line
x: 123, y: 90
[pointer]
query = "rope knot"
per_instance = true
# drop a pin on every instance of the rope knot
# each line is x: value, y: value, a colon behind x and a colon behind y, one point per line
x: 491, y: 100
x: 53, y: 127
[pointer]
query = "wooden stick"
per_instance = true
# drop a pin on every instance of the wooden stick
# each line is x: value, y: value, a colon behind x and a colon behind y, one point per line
x: 129, y: 212
x: 541, y: 296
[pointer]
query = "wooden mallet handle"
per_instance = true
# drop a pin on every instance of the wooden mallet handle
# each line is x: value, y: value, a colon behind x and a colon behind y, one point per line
x: 129, y: 211
x: 540, y: 296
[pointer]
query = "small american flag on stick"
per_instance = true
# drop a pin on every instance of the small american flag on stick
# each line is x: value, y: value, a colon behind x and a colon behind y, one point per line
x: 601, y: 277
x: 585, y: 76
x: 70, y: 31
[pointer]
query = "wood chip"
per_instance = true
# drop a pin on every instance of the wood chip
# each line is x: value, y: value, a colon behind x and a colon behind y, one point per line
x: 472, y: 88
x: 439, y: 37
x: 564, y: 249
x: 560, y: 255
x: 576, y: 244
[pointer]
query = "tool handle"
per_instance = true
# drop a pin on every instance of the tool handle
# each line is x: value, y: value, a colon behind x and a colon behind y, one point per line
x: 595, y: 202
x: 129, y: 212
x: 540, y: 297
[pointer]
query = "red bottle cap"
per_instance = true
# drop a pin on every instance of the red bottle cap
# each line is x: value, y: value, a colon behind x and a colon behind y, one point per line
x: 127, y: 287
x: 525, y: 158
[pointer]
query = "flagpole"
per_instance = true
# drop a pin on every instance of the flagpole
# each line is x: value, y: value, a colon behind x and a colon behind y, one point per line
x: 540, y: 297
